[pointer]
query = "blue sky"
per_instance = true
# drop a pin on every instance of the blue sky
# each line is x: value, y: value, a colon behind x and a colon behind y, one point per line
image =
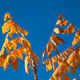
x: 37, y: 17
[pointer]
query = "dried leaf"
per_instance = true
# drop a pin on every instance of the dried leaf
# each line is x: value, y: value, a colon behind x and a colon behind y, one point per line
x: 43, y: 54
x: 57, y: 30
x: 61, y: 16
x: 71, y: 48
x: 48, y: 65
x: 73, y: 70
x: 61, y: 70
x: 66, y: 77
x: 51, y: 78
x: 7, y: 15
x: 63, y: 22
x: 58, y: 22
x: 54, y: 66
x: 70, y: 29
x: 78, y: 33
x: 54, y: 40
x: 14, y: 64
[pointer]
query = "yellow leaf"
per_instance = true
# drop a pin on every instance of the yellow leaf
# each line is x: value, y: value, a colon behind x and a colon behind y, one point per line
x: 7, y: 15
x: 48, y: 65
x: 58, y: 22
x: 70, y: 29
x: 2, y: 51
x: 78, y: 33
x: 75, y: 41
x: 66, y: 77
x: 6, y: 40
x: 14, y: 45
x: 14, y: 64
x: 57, y: 30
x: 63, y: 22
x: 25, y: 43
x: 27, y: 59
x: 33, y: 55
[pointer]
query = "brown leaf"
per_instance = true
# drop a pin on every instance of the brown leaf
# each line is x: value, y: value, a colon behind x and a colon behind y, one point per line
x: 73, y: 70
x: 54, y: 66
x: 70, y: 29
x: 14, y: 64
x: 71, y: 48
x: 66, y: 77
x: 61, y: 16
x: 43, y: 54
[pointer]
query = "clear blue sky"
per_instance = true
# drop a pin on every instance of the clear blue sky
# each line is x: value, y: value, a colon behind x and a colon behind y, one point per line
x: 37, y: 17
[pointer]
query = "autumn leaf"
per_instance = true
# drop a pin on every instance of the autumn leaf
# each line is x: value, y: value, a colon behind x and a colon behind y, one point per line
x: 70, y: 29
x: 73, y: 60
x: 58, y: 22
x: 23, y: 32
x: 48, y: 65
x: 43, y: 54
x: 66, y: 77
x: 55, y: 40
x: 61, y: 16
x: 61, y: 70
x: 51, y: 78
x: 71, y: 48
x: 75, y: 41
x: 7, y: 15
x: 73, y: 69
x: 6, y: 62
x: 14, y: 64
x: 54, y: 66
x: 57, y: 30
x: 63, y: 22
x: 78, y: 33
x: 27, y: 60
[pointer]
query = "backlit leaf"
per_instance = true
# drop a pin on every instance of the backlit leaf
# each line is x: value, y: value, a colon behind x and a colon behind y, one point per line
x: 66, y: 77
x: 14, y: 64
x: 57, y: 30
x: 7, y: 15
x: 70, y: 29
x: 63, y: 22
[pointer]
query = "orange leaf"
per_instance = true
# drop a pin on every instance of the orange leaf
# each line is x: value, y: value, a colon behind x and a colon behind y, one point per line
x: 48, y: 65
x: 51, y: 78
x: 66, y: 77
x: 75, y: 41
x: 54, y: 66
x: 63, y: 22
x: 7, y: 15
x: 14, y: 64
